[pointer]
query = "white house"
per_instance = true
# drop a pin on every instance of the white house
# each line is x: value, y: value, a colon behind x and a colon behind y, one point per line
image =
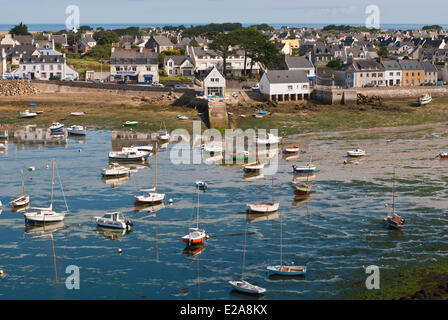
x: 134, y: 65
x: 392, y: 73
x: 214, y: 83
x: 45, y: 67
x: 285, y: 85
x: 178, y: 66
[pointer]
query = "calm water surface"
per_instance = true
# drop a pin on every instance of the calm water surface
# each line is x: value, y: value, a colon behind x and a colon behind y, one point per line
x: 337, y: 233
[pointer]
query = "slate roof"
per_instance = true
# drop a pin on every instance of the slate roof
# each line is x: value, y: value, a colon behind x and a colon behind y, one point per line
x: 293, y: 62
x: 133, y: 56
x: 286, y: 76
x: 410, y: 65
x: 42, y: 59
x: 391, y: 65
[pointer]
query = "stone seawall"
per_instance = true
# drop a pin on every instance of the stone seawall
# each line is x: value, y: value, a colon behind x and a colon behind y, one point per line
x: 404, y: 92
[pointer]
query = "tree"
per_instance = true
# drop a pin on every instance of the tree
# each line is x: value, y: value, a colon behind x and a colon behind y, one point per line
x: 106, y: 37
x: 20, y: 29
x: 382, y: 52
x: 99, y: 52
x: 73, y: 37
x: 223, y: 46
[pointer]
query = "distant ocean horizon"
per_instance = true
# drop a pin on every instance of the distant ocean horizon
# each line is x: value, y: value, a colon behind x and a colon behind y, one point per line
x: 107, y: 26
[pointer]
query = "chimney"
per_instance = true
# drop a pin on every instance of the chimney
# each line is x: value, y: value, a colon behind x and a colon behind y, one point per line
x: 112, y: 49
x: 140, y: 49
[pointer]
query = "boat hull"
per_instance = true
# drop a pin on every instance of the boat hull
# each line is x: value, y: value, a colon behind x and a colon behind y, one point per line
x: 309, y: 169
x: 152, y: 198
x: 44, y: 216
x: 245, y: 287
x: 286, y: 270
x: 263, y: 207
x: 20, y: 202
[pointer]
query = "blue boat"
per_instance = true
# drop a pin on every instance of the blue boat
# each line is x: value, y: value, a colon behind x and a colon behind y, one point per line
x: 32, y: 104
x: 262, y: 112
x: 56, y: 126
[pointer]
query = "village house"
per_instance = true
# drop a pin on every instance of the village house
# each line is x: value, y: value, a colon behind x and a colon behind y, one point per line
x: 285, y: 85
x: 413, y: 72
x: 392, y: 73
x: 214, y: 83
x: 134, y: 65
x: 301, y: 63
x: 45, y: 67
x: 364, y: 73
x: 431, y: 72
x: 178, y: 66
x: 159, y: 44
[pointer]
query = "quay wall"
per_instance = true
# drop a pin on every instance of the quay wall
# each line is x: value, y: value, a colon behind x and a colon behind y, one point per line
x: 404, y: 92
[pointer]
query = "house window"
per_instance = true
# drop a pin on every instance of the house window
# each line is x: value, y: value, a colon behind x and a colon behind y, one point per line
x: 289, y: 87
x: 148, y: 68
x: 51, y: 67
x: 117, y: 68
x: 59, y: 67
x: 42, y: 67
x: 170, y: 64
x: 134, y: 68
x: 212, y: 79
x: 398, y: 73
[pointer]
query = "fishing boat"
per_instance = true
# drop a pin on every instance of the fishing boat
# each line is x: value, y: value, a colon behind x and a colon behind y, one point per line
x: 284, y: 270
x: 253, y: 166
x: 77, y: 114
x: 201, y: 185
x: 130, y: 123
x: 195, y: 235
x: 76, y: 130
x: 443, y: 155
x: 23, y: 200
x: 291, y: 149
x: 113, y: 220
x: 264, y: 207
x: 356, y: 153
x: 28, y: 114
x: 394, y: 221
x: 151, y: 196
x: 270, y: 139
x: 56, y: 126
x: 163, y: 134
x: 302, y: 189
x: 115, y: 170
x: 128, y: 154
x: 46, y: 215
x: 424, y: 99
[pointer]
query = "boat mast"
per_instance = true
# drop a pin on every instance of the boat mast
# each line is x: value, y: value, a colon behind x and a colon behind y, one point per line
x: 272, y: 189
x: 52, y: 178
x: 197, y: 215
x: 155, y: 170
x: 23, y: 185
x: 393, y: 195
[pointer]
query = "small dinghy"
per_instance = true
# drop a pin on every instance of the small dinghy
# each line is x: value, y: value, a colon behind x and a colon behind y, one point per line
x: 28, y: 114
x: 302, y: 189
x: 212, y: 148
x: 246, y: 287
x: 181, y: 117
x: 130, y: 123
x: 56, y: 126
x: 254, y: 166
x: 76, y: 130
x: 115, y: 170
x: 287, y: 270
x: 263, y: 207
x: 113, y: 220
x: 201, y: 185
x: 443, y: 155
x: 356, y: 153
x: 293, y: 149
x: 23, y: 200
x: 77, y: 113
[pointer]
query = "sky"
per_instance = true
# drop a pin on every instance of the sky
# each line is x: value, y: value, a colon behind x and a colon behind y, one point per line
x: 206, y: 11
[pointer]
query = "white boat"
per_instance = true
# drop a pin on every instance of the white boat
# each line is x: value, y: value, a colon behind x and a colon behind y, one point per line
x: 4, y: 145
x: 28, y: 114
x: 56, y: 126
x: 46, y: 215
x: 147, y: 148
x: 424, y: 99
x: 115, y: 170
x: 163, y: 133
x: 151, y: 196
x: 128, y: 154
x: 212, y: 148
x: 202, y: 185
x: 78, y: 113
x: 195, y: 235
x: 23, y: 200
x: 246, y: 287
x: 253, y: 166
x: 270, y: 139
x: 113, y: 220
x: 264, y: 207
x: 293, y: 149
x: 76, y: 130
x: 310, y: 168
x: 356, y: 153
x: 181, y: 117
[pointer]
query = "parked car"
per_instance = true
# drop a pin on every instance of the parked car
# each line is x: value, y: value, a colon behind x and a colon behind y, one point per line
x: 247, y: 87
x: 169, y: 85
x: 97, y: 81
x: 256, y: 87
x: 122, y: 82
x: 156, y: 84
x: 182, y: 86
x: 439, y: 83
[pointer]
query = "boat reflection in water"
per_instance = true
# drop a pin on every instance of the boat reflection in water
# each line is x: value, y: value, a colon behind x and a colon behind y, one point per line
x: 303, y: 177
x: 44, y: 228
x: 77, y: 138
x: 20, y: 209
x: 115, y: 182
x: 248, y: 176
x: 257, y: 217
x: 112, y: 234
x: 193, y: 250
x: 149, y: 208
x: 300, y: 201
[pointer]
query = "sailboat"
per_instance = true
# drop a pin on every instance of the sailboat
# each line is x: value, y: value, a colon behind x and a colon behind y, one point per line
x: 195, y: 236
x: 394, y: 221
x: 151, y: 197
x: 282, y: 269
x: 22, y: 201
x: 303, y: 189
x: 163, y: 134
x: 264, y: 207
x: 242, y: 285
x: 46, y: 215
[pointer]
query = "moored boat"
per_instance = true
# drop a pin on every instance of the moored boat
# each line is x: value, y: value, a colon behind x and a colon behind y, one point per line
x: 56, y: 126
x: 424, y: 99
x: 304, y: 169
x: 394, y: 221
x: 254, y: 166
x: 240, y: 155
x: 246, y: 287
x: 270, y: 139
x: 202, y: 185
x: 443, y: 155
x: 28, y: 114
x: 113, y: 220
x: 291, y: 149
x: 356, y: 153
x: 76, y: 130
x: 263, y: 207
x: 129, y: 154
x: 115, y: 170
x: 287, y: 270
x: 130, y: 123
x: 23, y: 200
x: 302, y: 189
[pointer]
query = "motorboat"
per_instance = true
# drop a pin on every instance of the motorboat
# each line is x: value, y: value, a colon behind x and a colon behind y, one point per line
x: 194, y: 237
x: 76, y: 130
x: 147, y: 148
x: 130, y: 123
x: 129, y: 154
x: 424, y: 99
x: 356, y: 153
x: 113, y: 220
x: 28, y: 114
x: 115, y: 170
x: 56, y: 126
x: 253, y: 166
x: 201, y: 185
x: 304, y: 169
